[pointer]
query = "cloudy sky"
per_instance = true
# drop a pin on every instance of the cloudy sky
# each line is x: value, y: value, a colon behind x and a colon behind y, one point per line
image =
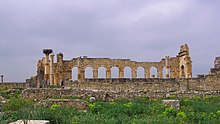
x: 141, y: 30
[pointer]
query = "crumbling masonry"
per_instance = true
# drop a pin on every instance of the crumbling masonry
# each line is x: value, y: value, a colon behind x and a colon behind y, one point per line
x: 50, y: 73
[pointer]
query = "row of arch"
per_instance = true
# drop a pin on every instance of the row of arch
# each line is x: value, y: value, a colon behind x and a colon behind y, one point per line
x: 102, y: 72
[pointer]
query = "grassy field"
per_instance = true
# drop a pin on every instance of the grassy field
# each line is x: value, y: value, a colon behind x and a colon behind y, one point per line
x: 136, y: 111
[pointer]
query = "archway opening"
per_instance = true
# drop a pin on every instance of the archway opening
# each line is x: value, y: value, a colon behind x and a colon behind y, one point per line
x: 127, y: 72
x: 164, y: 73
x: 75, y: 73
x: 114, y: 72
x: 153, y: 72
x: 102, y: 72
x: 183, y: 72
x: 88, y: 72
x: 140, y: 72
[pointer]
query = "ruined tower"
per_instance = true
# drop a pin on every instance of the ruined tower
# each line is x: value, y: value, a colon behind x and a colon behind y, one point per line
x: 185, y: 63
x: 216, y: 69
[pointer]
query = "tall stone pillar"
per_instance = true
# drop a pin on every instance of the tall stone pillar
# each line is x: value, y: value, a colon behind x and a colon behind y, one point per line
x: 51, y: 69
x: 121, y: 72
x: 80, y: 75
x: 83, y: 74
x: 134, y: 73
x: 58, y: 77
x: 160, y: 72
x: 147, y: 72
x: 2, y: 78
x: 167, y: 66
x: 95, y: 73
x: 108, y: 72
x: 47, y: 52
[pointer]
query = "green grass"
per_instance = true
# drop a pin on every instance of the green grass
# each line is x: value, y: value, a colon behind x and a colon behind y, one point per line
x: 16, y: 93
x: 136, y: 111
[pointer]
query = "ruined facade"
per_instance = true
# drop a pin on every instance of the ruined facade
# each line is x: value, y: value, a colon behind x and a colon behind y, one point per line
x: 111, y: 89
x: 52, y: 73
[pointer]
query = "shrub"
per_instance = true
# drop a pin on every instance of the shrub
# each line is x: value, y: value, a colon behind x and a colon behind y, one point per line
x: 15, y: 104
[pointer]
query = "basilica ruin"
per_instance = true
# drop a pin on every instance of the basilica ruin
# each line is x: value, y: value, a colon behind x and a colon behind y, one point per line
x: 55, y: 78
x: 54, y: 73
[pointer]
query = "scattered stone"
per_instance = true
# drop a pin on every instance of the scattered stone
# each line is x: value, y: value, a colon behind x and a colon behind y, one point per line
x: 31, y: 122
x: 1, y: 99
x: 167, y: 95
x: 173, y: 103
x: 92, y: 99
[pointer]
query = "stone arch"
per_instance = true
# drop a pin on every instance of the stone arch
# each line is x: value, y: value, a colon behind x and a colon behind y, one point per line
x: 74, y: 73
x: 114, y: 72
x: 164, y: 73
x: 88, y: 72
x: 153, y: 72
x: 182, y: 71
x: 140, y: 72
x: 127, y: 72
x: 101, y: 72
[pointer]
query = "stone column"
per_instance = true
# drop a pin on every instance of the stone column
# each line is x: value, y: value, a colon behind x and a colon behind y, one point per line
x: 121, y: 72
x: 167, y: 66
x: 147, y: 72
x: 108, y: 72
x: 51, y: 69
x: 160, y: 72
x: 134, y: 73
x: 83, y: 74
x: 47, y: 52
x: 2, y: 78
x: 95, y: 73
x: 79, y: 73
x: 79, y: 68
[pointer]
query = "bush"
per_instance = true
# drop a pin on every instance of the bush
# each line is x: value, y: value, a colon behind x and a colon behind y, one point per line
x: 136, y: 111
x: 15, y: 104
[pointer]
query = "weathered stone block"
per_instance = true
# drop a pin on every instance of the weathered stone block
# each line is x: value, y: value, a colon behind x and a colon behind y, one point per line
x: 31, y: 122
x: 173, y: 103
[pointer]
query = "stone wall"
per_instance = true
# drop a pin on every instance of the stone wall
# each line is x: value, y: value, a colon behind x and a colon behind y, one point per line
x: 41, y: 94
x: 13, y: 85
x: 111, y: 89
x: 156, y: 84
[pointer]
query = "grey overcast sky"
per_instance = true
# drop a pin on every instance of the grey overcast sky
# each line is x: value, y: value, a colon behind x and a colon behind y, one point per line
x: 141, y: 30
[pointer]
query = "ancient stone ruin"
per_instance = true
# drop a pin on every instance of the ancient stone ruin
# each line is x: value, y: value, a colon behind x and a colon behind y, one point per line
x: 50, y: 73
x: 178, y: 80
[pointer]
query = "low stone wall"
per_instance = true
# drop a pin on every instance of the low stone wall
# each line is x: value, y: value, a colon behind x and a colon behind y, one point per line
x: 79, y: 104
x: 41, y: 94
x: 13, y: 85
x: 165, y: 85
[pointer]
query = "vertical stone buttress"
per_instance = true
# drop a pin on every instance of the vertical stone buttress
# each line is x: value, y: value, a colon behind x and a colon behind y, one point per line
x: 51, y: 69
x: 47, y: 52
x: 167, y: 66
x: 121, y: 72
x: 134, y: 72
x: 95, y: 72
x: 81, y: 70
x: 40, y: 72
x: 147, y: 72
x: 108, y: 72
x: 185, y: 63
x: 159, y: 72
x: 59, y: 75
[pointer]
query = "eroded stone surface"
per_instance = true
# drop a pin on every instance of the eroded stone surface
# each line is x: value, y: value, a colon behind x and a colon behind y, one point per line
x: 179, y: 66
x: 173, y: 103
x: 75, y: 103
